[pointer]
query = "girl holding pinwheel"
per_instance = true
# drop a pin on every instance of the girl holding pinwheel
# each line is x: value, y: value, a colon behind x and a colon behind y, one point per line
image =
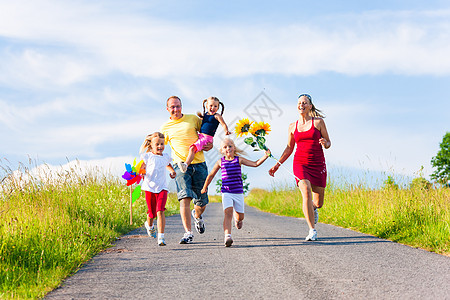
x: 154, y: 184
x: 232, y: 185
x: 310, y: 135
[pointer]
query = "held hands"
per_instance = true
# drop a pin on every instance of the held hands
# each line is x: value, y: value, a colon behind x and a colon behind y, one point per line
x: 274, y: 169
x: 227, y: 132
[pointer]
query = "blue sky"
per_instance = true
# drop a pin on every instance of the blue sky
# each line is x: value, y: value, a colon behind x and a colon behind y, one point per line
x: 86, y: 81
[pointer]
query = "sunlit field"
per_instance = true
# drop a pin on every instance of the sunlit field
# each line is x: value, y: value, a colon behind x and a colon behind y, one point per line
x: 51, y: 224
x: 414, y: 216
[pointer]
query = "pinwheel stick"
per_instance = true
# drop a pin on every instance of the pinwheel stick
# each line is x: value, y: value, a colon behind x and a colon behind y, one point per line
x: 131, y: 205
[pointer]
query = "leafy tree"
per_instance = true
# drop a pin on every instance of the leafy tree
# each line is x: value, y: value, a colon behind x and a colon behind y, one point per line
x: 246, y: 185
x: 442, y: 161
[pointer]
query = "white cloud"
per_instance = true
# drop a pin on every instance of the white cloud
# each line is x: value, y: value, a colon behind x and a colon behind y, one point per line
x: 102, y: 39
x: 61, y: 50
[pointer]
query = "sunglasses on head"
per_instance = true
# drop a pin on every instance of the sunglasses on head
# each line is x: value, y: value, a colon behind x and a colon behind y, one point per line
x: 306, y: 95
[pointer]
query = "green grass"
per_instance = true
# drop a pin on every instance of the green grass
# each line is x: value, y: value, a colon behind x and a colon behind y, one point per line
x: 415, y: 217
x: 50, y: 227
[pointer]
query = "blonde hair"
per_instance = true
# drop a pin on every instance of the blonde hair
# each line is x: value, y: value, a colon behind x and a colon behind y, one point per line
x: 147, y: 144
x: 204, y: 108
x: 316, y: 113
x: 236, y: 149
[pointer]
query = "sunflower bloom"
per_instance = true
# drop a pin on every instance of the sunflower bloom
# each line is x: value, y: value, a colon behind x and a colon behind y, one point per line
x: 259, y: 128
x: 242, y: 127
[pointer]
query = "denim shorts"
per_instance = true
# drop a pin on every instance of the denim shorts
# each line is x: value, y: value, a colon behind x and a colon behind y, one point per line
x: 190, y: 184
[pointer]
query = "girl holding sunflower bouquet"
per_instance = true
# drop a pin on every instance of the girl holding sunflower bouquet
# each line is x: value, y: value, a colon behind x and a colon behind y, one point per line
x: 232, y: 185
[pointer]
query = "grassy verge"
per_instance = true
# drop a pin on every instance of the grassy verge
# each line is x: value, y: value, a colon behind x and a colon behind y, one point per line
x: 415, y: 217
x: 49, y: 227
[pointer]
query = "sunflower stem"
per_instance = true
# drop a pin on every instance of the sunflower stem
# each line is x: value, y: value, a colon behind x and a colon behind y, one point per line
x: 284, y: 167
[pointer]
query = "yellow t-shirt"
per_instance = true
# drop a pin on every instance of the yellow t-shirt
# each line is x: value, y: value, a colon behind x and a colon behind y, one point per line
x: 181, y: 134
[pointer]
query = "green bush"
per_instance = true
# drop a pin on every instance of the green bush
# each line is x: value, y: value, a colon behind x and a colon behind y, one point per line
x: 420, y: 183
x: 390, y: 183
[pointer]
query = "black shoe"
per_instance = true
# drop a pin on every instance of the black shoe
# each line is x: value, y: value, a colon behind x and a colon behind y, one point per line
x: 187, y: 238
x: 199, y: 224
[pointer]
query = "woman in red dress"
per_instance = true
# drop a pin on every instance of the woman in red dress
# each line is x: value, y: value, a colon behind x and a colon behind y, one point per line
x: 310, y: 135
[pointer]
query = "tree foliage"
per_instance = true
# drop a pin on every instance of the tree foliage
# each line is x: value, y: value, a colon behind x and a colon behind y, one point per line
x: 442, y: 161
x: 246, y: 185
x: 390, y: 183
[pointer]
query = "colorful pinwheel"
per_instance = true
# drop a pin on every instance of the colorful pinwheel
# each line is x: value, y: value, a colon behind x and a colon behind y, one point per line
x: 132, y: 175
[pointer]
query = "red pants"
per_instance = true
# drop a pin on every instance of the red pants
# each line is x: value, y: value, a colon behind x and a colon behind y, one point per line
x: 155, y: 202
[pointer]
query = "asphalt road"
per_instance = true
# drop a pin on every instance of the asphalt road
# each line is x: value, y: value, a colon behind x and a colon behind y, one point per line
x: 269, y: 259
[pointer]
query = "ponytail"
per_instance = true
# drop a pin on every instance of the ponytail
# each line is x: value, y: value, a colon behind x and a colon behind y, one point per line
x: 201, y: 115
x: 147, y: 144
x: 316, y: 113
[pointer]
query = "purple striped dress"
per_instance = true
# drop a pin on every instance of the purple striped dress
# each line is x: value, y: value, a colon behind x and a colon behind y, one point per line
x: 231, y: 176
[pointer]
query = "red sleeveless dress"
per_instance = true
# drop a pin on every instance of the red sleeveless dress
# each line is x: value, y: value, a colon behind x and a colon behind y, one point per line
x: 309, y: 161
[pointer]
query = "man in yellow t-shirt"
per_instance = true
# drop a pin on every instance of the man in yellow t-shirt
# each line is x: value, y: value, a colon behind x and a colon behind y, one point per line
x: 180, y: 131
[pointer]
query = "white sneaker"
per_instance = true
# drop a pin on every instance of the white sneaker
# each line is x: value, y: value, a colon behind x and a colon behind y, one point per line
x: 151, y: 231
x: 316, y: 215
x: 312, y: 236
x: 161, y: 242
x: 228, y: 241
x: 183, y: 166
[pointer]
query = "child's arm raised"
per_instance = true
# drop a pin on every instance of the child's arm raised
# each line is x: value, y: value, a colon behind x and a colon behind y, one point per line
x: 172, y: 173
x: 222, y: 122
x: 211, y: 176
x: 256, y: 163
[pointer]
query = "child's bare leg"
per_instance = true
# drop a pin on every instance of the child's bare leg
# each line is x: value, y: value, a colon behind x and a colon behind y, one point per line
x: 228, y: 216
x: 150, y: 221
x: 161, y: 221
x: 238, y: 217
x: 190, y: 156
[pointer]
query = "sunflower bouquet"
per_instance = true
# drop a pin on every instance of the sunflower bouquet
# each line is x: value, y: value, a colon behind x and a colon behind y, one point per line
x: 257, y: 129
